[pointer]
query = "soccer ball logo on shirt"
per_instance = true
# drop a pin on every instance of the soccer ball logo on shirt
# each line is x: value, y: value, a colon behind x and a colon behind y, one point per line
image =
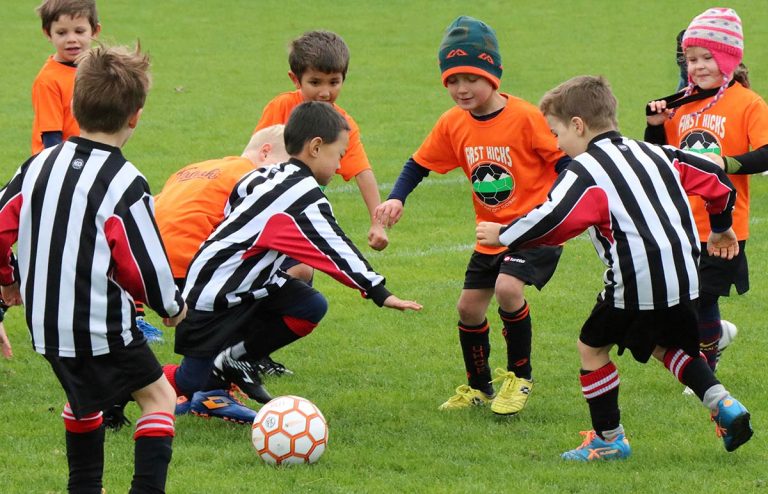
x: 700, y: 141
x: 493, y: 185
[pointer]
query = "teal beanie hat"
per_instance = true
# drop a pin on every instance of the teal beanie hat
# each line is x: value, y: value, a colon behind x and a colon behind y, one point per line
x: 470, y: 46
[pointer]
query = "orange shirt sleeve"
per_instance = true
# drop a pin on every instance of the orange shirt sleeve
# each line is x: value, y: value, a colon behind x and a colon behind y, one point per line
x: 355, y: 160
x: 436, y: 153
x: 52, y: 102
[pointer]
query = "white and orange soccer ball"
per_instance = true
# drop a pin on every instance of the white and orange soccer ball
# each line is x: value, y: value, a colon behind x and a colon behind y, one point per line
x: 290, y: 430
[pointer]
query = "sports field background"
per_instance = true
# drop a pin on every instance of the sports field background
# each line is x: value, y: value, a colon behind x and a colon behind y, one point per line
x: 378, y: 375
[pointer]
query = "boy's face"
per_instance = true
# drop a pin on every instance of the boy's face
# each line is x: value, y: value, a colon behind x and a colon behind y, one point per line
x: 327, y: 157
x: 471, y: 92
x: 570, y: 137
x: 318, y: 86
x: 702, y: 68
x: 71, y: 36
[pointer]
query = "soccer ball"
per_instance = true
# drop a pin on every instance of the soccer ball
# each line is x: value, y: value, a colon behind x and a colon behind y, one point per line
x: 289, y: 430
x: 492, y: 184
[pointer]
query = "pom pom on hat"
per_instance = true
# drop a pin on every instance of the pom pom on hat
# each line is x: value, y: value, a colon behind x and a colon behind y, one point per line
x: 719, y: 31
x: 470, y: 46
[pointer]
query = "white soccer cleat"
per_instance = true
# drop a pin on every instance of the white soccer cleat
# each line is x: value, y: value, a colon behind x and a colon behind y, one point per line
x: 729, y: 333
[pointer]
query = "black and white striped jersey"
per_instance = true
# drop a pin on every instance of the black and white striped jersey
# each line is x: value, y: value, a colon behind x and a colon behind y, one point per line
x: 273, y: 213
x: 632, y: 197
x: 87, y: 246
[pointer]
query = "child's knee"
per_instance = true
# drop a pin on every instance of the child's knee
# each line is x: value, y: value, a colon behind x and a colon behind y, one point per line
x: 156, y: 397
x: 509, y: 289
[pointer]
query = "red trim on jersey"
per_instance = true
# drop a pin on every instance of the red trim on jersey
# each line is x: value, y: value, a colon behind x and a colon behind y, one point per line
x: 9, y: 233
x: 696, y: 181
x: 126, y: 270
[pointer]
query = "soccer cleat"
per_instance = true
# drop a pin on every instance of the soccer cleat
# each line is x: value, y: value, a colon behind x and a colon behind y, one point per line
x: 466, y: 397
x: 221, y: 404
x: 242, y: 374
x: 183, y: 405
x: 151, y: 333
x: 513, y: 394
x: 732, y: 423
x: 595, y: 448
x: 268, y: 367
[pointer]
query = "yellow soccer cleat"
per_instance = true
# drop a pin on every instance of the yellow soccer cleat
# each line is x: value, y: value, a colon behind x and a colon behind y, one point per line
x: 466, y: 397
x: 513, y: 394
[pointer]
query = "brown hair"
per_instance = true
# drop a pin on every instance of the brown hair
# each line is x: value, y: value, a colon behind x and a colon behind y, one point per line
x: 741, y: 74
x: 320, y: 50
x: 50, y: 11
x: 110, y: 86
x: 587, y: 97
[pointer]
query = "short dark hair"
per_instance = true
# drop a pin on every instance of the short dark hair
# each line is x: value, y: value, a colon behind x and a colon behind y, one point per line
x: 50, y: 11
x: 309, y: 120
x: 111, y: 85
x: 320, y: 50
x: 587, y: 97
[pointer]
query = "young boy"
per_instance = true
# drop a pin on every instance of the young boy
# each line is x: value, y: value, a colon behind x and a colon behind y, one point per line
x: 632, y: 197
x: 70, y: 26
x: 502, y: 142
x: 193, y: 202
x: 319, y: 61
x: 87, y: 246
x: 234, y: 284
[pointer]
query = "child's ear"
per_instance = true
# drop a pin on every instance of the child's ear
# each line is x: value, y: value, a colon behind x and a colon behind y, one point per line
x: 47, y: 35
x: 133, y: 121
x: 294, y: 79
x: 96, y: 31
x: 578, y: 125
x: 314, y: 146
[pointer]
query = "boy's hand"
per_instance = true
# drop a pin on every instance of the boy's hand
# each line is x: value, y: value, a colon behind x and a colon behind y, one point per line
x: 389, y: 212
x: 174, y: 321
x: 719, y: 161
x: 724, y: 244
x: 377, y: 236
x: 488, y: 233
x: 395, y: 303
x: 5, y: 343
x: 662, y: 114
x: 10, y: 294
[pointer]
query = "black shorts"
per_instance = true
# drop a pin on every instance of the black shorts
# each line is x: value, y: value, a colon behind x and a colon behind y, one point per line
x: 93, y: 384
x: 204, y: 334
x: 718, y: 275
x: 642, y: 330
x: 531, y: 266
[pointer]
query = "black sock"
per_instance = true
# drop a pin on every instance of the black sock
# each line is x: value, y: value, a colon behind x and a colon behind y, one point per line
x: 152, y: 454
x: 85, y: 456
x: 517, y: 333
x: 698, y: 376
x: 139, y: 309
x: 268, y: 337
x: 601, y: 390
x: 476, y: 348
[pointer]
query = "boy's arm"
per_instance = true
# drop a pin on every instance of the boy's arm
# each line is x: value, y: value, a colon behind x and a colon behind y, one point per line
x: 369, y: 190
x: 313, y: 237
x: 390, y: 211
x: 755, y: 161
x: 140, y: 263
x: 10, y: 208
x: 574, y: 204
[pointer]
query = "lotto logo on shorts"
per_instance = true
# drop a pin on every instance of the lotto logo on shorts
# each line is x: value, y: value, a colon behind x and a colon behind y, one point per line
x: 514, y: 259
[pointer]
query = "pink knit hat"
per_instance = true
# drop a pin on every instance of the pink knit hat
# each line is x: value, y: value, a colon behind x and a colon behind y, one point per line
x: 719, y: 31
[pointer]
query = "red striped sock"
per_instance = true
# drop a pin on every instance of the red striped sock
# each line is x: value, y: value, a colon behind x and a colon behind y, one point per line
x: 155, y: 424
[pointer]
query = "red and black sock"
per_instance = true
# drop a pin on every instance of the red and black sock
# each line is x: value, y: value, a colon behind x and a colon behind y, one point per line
x: 601, y: 390
x: 476, y: 348
x: 517, y: 333
x: 139, y: 308
x: 85, y: 451
x: 693, y: 372
x: 152, y: 452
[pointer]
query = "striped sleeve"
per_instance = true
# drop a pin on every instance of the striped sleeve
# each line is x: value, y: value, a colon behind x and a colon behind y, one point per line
x: 10, y: 208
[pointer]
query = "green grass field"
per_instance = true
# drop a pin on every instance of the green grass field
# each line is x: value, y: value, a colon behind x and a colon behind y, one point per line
x: 378, y: 375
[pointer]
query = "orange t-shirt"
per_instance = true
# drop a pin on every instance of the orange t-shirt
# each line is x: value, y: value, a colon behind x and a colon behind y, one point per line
x: 509, y: 159
x: 191, y: 205
x: 52, y: 102
x: 736, y: 124
x: 279, y: 109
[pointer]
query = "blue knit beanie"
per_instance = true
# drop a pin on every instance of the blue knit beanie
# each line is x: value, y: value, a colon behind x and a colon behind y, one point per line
x: 470, y: 47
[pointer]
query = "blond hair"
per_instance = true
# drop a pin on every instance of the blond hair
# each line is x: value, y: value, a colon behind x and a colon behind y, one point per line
x: 587, y: 97
x: 111, y: 85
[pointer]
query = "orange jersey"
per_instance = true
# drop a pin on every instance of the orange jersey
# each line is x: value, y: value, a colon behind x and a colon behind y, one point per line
x: 279, y: 109
x: 509, y: 159
x: 52, y: 102
x: 736, y: 124
x: 191, y: 205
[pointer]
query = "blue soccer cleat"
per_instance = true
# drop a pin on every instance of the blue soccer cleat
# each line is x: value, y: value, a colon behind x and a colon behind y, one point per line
x: 732, y: 423
x: 221, y: 404
x: 596, y: 448
x: 183, y: 404
x: 151, y: 333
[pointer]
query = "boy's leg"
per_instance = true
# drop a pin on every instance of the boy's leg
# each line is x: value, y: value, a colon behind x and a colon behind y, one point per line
x: 710, y: 328
x: 85, y: 451
x: 516, y: 318
x: 153, y: 436
x: 600, y: 386
x: 731, y: 417
x: 474, y: 337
